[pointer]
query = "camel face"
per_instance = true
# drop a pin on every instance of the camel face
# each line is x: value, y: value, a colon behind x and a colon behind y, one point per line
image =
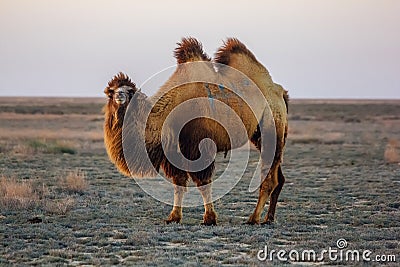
x: 121, y: 95
x: 120, y: 91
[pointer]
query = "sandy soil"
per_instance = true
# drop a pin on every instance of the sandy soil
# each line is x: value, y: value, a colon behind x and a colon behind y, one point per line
x: 342, y: 181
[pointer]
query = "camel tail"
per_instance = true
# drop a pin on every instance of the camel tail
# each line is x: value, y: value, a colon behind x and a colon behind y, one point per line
x: 285, y: 95
x: 190, y: 49
x: 286, y: 98
x: 231, y: 47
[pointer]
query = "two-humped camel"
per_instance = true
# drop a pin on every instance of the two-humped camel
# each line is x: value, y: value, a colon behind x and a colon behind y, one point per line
x: 121, y: 90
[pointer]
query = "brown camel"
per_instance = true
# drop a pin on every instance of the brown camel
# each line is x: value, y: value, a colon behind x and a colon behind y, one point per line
x: 121, y: 91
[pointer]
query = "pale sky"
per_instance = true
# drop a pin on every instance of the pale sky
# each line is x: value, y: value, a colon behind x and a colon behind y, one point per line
x: 314, y: 48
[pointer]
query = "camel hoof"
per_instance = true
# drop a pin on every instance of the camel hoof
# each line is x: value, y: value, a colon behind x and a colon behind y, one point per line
x: 249, y: 222
x: 268, y: 222
x: 253, y: 220
x: 210, y: 219
x: 173, y: 218
x: 168, y: 221
x: 209, y: 223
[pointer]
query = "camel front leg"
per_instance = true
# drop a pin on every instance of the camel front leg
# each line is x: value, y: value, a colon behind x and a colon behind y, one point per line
x: 210, y: 216
x: 204, y: 183
x: 179, y: 191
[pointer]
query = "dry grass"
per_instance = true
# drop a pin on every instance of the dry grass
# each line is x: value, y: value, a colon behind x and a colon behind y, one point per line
x: 75, y: 182
x: 26, y: 195
x: 50, y: 127
x: 17, y: 195
x: 391, y: 154
x: 334, y: 138
x: 95, y: 135
x: 60, y: 206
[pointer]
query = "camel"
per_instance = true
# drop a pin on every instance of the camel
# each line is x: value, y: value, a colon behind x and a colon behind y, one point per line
x: 231, y: 56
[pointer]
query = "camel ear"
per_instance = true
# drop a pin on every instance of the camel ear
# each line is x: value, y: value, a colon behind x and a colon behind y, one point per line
x: 109, y: 92
x: 132, y: 90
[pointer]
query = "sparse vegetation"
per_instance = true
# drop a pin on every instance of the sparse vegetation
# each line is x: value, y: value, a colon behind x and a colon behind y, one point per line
x: 75, y: 182
x: 392, y: 151
x: 44, y: 146
x: 52, y: 147
x: 345, y: 190
x: 20, y: 194
x: 59, y: 206
x: 52, y: 106
x: 17, y: 195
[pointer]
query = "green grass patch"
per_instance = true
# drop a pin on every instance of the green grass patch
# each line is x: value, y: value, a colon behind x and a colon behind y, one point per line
x: 51, y: 147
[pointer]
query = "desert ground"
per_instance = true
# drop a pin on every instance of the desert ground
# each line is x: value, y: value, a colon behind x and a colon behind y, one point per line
x: 63, y: 203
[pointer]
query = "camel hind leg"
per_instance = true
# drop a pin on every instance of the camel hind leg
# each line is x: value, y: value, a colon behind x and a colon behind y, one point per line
x: 272, y: 184
x: 274, y: 198
x: 270, y: 217
x: 267, y: 186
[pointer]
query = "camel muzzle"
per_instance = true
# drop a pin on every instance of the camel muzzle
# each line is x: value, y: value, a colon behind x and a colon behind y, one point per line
x: 120, y: 98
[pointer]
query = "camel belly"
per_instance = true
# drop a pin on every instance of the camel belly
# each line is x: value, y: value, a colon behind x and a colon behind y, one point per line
x: 214, y: 112
x: 228, y: 130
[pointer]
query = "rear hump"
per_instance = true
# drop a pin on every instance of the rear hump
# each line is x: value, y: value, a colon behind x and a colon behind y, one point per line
x: 232, y: 46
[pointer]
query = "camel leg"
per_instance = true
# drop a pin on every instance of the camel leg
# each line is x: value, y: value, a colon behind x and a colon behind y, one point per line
x: 274, y: 198
x: 269, y: 131
x: 268, y: 185
x: 180, y: 183
x: 204, y: 185
x: 210, y: 216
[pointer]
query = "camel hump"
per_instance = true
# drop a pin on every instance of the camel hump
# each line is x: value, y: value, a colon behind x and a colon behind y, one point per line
x: 190, y: 49
x: 230, y: 47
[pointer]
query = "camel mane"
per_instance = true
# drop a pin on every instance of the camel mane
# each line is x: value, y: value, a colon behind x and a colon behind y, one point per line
x: 120, y: 79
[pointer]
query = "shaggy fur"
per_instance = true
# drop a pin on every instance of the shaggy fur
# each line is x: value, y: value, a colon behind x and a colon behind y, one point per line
x: 230, y: 47
x: 189, y: 49
x: 113, y: 122
x: 234, y: 54
x: 119, y: 80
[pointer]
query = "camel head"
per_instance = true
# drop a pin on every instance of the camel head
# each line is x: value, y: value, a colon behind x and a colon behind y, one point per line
x: 120, y: 91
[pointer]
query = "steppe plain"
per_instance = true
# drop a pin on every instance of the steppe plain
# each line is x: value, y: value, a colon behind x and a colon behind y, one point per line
x: 72, y: 207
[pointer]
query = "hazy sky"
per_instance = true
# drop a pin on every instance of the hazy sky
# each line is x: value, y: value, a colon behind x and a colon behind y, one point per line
x: 314, y: 48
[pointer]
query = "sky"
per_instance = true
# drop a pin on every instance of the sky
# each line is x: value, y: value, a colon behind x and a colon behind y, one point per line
x: 314, y: 48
